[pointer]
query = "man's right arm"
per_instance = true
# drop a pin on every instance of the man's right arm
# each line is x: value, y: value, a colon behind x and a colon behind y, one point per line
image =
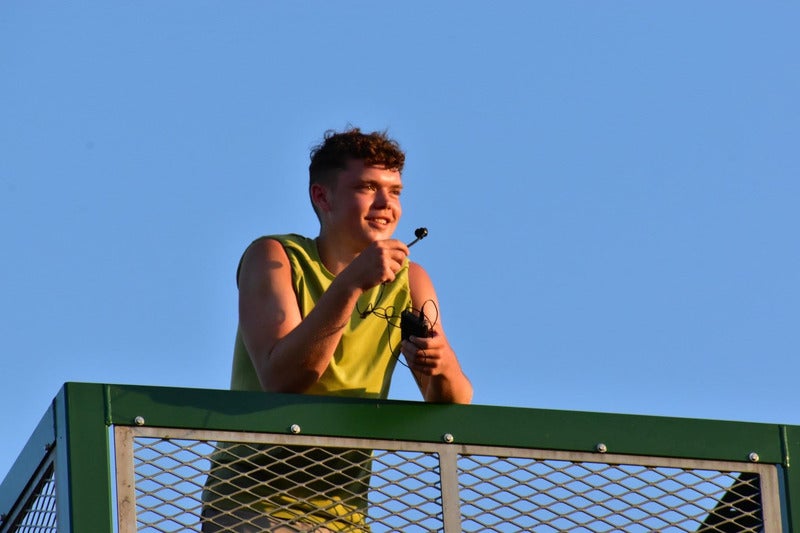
x: 288, y: 353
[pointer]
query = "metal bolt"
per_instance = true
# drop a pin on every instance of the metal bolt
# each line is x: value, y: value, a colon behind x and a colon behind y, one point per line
x: 601, y: 447
x: 448, y: 438
x: 139, y: 420
x: 295, y: 428
x: 3, y: 517
x: 754, y: 457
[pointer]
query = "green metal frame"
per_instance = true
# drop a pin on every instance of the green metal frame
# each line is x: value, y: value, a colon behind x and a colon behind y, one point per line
x: 83, y: 467
x: 79, y: 419
x: 27, y: 464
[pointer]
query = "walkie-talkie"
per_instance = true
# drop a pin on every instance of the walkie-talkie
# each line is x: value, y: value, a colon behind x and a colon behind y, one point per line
x: 413, y: 324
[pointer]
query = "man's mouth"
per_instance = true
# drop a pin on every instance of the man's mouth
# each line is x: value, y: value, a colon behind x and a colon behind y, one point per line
x: 381, y: 221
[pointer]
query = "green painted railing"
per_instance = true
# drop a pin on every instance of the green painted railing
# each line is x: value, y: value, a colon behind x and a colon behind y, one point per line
x: 74, y: 436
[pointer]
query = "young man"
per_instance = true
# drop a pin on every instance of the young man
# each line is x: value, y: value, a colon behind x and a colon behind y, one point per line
x: 312, y: 312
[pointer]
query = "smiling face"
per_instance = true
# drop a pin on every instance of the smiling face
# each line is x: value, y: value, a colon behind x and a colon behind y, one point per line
x: 362, y: 206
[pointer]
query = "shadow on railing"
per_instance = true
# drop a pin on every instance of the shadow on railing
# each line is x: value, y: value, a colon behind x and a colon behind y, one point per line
x: 136, y: 458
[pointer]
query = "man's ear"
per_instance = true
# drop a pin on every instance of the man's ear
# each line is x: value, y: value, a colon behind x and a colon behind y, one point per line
x: 320, y: 197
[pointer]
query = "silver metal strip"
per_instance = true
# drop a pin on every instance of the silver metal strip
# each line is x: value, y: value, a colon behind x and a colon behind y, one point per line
x: 284, y: 439
x: 770, y: 499
x: 611, y: 459
x: 126, y: 480
x: 451, y: 500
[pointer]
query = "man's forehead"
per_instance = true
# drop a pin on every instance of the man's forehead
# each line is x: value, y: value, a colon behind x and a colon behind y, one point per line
x: 357, y: 169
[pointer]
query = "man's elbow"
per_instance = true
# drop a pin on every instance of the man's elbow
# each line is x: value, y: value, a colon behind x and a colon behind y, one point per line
x: 461, y: 394
x: 295, y: 381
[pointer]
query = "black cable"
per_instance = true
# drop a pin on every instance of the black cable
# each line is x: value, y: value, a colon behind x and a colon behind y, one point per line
x: 388, y: 314
x: 371, y: 308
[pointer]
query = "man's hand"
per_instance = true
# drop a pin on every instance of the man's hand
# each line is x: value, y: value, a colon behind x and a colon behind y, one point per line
x: 378, y: 263
x: 430, y: 356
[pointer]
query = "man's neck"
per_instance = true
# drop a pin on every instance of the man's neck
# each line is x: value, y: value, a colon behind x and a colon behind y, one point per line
x: 334, y: 253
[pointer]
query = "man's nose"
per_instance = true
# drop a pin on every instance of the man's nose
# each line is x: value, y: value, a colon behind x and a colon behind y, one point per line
x: 382, y: 197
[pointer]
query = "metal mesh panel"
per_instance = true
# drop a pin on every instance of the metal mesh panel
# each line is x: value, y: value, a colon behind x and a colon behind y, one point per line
x: 212, y: 480
x: 362, y: 489
x: 39, y: 512
x: 514, y: 494
x: 169, y: 478
x: 405, y: 493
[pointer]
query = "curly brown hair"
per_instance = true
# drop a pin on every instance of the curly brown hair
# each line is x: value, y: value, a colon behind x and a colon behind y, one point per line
x: 376, y: 149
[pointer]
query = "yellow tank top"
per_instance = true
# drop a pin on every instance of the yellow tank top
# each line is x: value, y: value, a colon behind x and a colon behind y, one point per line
x: 365, y: 358
x: 314, y: 485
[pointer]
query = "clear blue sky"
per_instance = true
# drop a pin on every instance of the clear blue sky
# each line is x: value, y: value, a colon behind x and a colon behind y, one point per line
x: 611, y: 189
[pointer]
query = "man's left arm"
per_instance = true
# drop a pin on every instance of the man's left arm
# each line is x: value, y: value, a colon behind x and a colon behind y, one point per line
x: 432, y: 359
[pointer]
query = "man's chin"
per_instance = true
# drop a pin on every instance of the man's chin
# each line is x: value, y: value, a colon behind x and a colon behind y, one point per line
x: 380, y: 234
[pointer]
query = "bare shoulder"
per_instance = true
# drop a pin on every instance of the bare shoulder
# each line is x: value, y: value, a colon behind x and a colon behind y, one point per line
x: 417, y: 274
x: 263, y: 256
x: 266, y: 292
x: 420, y: 284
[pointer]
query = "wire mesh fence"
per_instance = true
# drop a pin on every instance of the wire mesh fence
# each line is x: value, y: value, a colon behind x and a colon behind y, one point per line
x: 37, y: 514
x: 215, y: 481
x: 515, y: 494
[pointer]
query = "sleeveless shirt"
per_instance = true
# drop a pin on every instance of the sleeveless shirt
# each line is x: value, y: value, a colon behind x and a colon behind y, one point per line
x: 323, y: 486
x: 365, y: 358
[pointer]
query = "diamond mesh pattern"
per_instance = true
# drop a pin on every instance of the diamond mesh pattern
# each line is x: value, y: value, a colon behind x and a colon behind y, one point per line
x: 39, y: 514
x: 405, y: 492
x: 170, y: 474
x: 513, y: 494
x: 395, y: 490
x: 356, y: 488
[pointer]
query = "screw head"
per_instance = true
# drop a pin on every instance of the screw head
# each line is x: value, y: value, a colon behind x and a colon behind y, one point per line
x: 295, y: 428
x: 601, y: 447
x: 139, y: 420
x: 448, y: 438
x: 754, y: 457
